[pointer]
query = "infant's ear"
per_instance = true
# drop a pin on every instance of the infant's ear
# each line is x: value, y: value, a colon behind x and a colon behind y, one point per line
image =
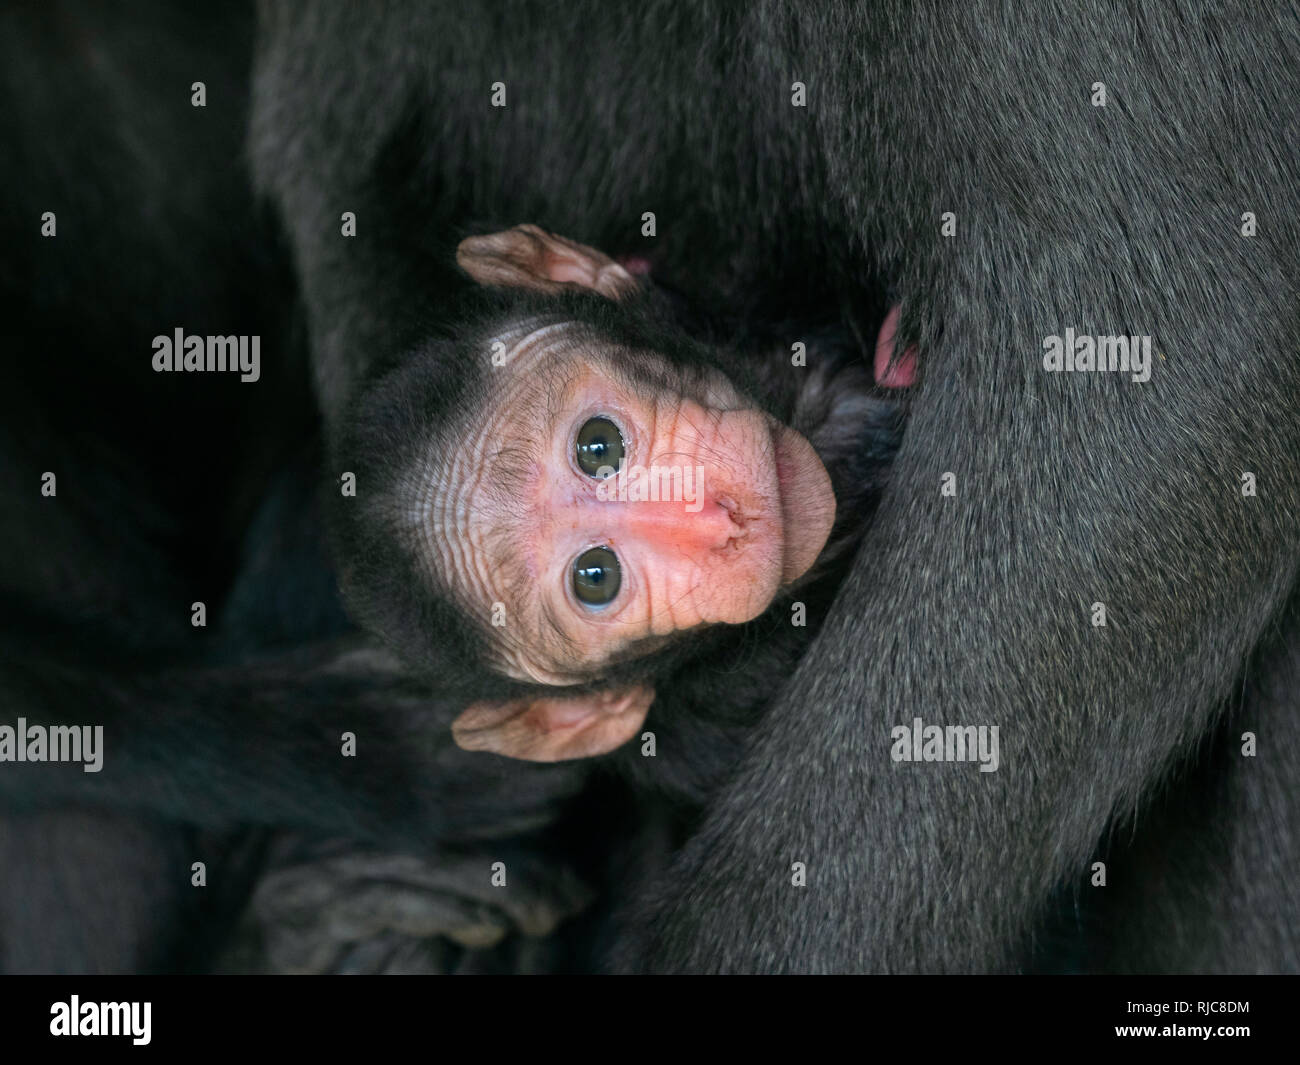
x: 529, y: 257
x: 553, y: 728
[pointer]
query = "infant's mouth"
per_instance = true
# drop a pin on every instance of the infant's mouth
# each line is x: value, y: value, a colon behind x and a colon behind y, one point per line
x: 807, y: 501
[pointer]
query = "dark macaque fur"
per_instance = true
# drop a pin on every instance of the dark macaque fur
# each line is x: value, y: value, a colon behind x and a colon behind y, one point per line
x: 975, y: 609
x: 217, y: 738
x: 1071, y: 488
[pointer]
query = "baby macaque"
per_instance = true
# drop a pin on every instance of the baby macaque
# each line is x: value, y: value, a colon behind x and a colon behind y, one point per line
x: 594, y: 495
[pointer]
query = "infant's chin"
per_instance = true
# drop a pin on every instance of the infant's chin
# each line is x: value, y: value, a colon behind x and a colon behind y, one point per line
x: 807, y: 502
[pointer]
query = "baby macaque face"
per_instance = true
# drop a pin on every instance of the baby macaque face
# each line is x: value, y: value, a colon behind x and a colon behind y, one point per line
x: 601, y: 503
x: 601, y: 499
x: 607, y: 514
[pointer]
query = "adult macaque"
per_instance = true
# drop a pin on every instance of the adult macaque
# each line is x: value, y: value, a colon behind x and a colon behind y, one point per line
x: 1003, y: 190
x: 785, y: 166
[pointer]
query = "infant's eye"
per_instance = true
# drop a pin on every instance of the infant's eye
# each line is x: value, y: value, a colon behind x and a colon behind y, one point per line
x: 599, y: 447
x: 596, y: 576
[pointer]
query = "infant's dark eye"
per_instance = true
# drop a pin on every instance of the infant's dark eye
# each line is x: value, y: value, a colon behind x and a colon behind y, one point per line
x: 599, y: 447
x: 596, y: 576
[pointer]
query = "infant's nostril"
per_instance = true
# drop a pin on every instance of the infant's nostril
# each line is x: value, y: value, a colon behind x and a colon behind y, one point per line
x: 734, y: 512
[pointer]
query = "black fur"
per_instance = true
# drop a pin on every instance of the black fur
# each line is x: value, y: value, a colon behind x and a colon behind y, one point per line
x: 180, y: 488
x: 1072, y: 489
